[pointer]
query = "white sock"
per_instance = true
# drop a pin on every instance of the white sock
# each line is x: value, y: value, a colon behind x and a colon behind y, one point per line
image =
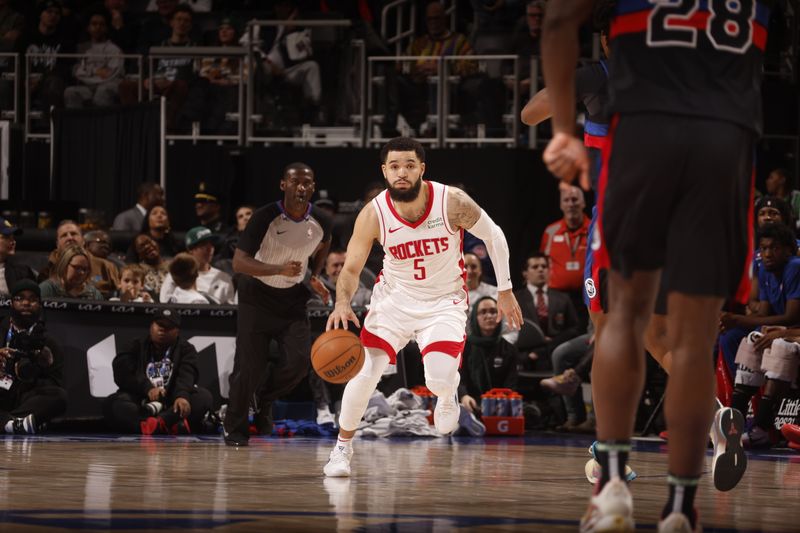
x: 10, y: 426
x: 345, y: 443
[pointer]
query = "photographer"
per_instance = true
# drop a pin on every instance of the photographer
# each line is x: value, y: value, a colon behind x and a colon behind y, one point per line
x: 157, y: 379
x: 31, y: 365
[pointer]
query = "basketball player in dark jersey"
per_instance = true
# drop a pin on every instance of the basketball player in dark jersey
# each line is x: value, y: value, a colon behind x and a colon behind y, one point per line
x: 676, y: 183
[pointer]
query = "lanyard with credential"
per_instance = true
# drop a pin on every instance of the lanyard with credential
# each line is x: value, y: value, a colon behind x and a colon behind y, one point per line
x: 572, y: 249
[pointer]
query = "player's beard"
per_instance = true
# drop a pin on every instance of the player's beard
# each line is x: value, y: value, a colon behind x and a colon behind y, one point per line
x: 409, y: 195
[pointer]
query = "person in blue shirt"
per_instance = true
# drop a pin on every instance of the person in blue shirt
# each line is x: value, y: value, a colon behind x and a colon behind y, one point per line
x: 769, y: 352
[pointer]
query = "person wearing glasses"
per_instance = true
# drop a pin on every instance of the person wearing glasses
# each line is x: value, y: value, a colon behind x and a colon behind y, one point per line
x: 72, y: 277
x: 31, y: 363
x: 11, y: 271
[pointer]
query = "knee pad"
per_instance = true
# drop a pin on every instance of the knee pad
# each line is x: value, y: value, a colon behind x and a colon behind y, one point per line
x: 780, y: 361
x: 441, y: 373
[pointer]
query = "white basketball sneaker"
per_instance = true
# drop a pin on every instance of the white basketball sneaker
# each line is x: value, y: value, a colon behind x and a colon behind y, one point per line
x: 730, y: 461
x: 677, y: 523
x: 446, y: 413
x: 339, y: 461
x: 610, y: 510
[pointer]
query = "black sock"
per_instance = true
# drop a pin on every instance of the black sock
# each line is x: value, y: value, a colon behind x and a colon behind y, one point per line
x: 765, y: 417
x: 681, y: 497
x: 741, y: 397
x: 612, y: 456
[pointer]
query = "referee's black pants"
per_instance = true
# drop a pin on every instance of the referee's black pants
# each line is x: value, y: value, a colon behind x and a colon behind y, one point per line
x: 265, y: 314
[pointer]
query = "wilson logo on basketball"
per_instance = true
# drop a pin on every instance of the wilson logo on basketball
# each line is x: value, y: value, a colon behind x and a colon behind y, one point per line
x: 338, y: 369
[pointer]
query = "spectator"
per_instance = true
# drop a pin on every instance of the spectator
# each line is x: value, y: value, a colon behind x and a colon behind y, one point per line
x: 494, y: 15
x: 173, y: 75
x: 156, y: 225
x: 157, y: 28
x: 48, y: 74
x: 212, y: 283
x: 12, y: 25
x: 243, y: 215
x: 330, y: 275
x: 131, y: 286
x: 546, y: 307
x: 564, y: 242
x: 526, y: 41
x: 149, y: 259
x: 208, y: 209
x: 476, y: 288
x: 11, y: 271
x: 438, y: 41
x: 184, y: 272
x: 72, y: 275
x: 489, y: 360
x: 98, y: 243
x: 157, y: 378
x: 219, y: 94
x: 31, y: 365
x: 198, y: 6
x: 122, y: 31
x: 101, y: 71
x: 780, y: 185
x: 148, y: 195
x: 290, y: 60
x: 104, y: 274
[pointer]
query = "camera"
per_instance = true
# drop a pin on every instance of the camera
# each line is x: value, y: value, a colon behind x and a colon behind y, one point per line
x: 30, y: 356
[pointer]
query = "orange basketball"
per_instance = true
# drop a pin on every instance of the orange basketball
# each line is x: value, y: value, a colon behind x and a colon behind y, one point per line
x: 337, y: 356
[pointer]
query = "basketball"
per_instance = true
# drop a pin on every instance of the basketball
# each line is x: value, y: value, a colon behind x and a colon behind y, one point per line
x: 337, y: 356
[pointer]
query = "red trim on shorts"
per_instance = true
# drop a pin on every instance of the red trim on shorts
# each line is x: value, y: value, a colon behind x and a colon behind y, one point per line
x: 421, y: 219
x: 451, y: 348
x: 743, y: 291
x: 370, y: 340
x: 594, y: 141
x: 601, y: 256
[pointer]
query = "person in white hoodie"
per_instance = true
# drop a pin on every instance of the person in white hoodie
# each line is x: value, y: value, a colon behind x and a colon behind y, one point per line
x: 211, y: 282
x: 101, y: 70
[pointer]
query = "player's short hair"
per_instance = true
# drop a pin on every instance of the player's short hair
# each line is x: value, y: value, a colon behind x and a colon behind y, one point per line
x: 780, y: 233
x: 403, y: 144
x: 296, y: 167
x: 536, y: 255
x: 184, y: 270
x: 602, y: 14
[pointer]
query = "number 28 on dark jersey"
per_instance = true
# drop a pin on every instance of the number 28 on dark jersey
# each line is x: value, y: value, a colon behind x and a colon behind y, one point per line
x: 689, y: 57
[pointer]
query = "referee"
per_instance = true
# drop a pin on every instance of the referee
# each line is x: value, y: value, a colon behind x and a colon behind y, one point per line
x: 273, y: 253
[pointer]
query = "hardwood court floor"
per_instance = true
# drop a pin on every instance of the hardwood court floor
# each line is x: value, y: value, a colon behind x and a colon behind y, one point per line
x: 78, y: 483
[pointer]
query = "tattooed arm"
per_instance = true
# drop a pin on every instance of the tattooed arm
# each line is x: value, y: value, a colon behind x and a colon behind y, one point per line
x: 464, y: 213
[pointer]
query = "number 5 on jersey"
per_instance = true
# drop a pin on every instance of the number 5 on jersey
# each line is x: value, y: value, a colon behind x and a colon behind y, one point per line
x: 419, y: 268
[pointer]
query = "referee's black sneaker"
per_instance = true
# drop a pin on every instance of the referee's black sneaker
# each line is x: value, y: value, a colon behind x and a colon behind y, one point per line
x: 235, y: 438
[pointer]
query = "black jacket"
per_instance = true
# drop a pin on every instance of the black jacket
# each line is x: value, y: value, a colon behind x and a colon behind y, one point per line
x: 16, y: 271
x: 561, y: 315
x: 52, y: 375
x: 130, y: 366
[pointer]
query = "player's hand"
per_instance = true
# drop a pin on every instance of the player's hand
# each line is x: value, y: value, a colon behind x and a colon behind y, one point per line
x: 508, y: 307
x: 182, y: 407
x: 320, y: 288
x: 566, y: 157
x: 728, y: 321
x: 291, y: 269
x: 340, y: 315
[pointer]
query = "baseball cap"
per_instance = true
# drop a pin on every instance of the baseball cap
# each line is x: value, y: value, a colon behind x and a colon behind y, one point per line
x: 7, y: 228
x: 198, y: 234
x: 206, y: 193
x: 165, y: 314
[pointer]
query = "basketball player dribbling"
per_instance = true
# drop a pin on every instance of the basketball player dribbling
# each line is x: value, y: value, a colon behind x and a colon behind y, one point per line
x: 591, y: 89
x: 420, y: 294
x: 684, y: 89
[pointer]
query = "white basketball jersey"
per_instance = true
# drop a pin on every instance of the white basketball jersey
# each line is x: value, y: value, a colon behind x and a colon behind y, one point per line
x: 423, y: 259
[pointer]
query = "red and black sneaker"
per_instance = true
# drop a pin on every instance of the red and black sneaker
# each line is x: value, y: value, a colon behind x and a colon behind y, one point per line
x: 153, y: 426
